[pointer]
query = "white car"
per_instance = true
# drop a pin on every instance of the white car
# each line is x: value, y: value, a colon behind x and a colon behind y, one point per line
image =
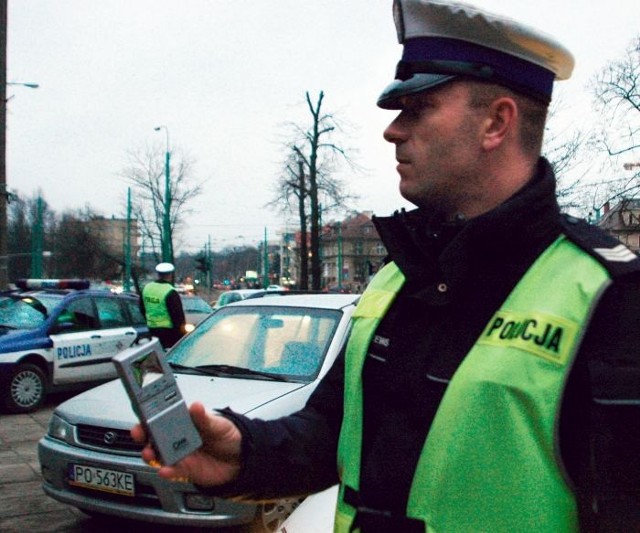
x: 196, y: 309
x: 314, y: 515
x: 262, y: 357
x: 237, y: 295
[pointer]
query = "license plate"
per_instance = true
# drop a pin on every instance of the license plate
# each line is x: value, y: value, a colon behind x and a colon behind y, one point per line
x: 102, y: 479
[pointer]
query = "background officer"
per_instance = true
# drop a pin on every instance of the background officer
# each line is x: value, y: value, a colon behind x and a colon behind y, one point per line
x: 162, y: 307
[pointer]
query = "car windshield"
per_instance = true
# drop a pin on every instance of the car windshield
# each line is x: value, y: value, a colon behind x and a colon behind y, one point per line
x: 25, y: 311
x: 283, y: 341
x: 192, y: 304
x: 228, y: 297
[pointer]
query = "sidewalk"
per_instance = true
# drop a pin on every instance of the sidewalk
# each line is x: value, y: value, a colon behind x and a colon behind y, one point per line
x: 23, y: 505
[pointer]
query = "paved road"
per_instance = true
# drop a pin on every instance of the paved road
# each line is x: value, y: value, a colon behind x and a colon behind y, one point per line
x: 23, y: 505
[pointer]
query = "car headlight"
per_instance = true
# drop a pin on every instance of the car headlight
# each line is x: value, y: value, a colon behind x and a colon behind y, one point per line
x: 189, y: 328
x: 60, y: 429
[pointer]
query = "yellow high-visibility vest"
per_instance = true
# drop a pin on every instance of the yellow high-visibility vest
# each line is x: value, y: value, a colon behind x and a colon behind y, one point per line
x: 490, y: 461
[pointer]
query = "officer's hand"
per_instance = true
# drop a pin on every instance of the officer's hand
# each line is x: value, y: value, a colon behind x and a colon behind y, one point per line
x: 216, y: 462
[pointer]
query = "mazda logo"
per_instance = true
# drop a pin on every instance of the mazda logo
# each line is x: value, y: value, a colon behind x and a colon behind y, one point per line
x: 110, y: 437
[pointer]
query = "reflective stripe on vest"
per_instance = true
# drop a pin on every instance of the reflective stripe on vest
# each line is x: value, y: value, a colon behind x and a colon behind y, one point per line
x: 154, y: 295
x: 490, y: 460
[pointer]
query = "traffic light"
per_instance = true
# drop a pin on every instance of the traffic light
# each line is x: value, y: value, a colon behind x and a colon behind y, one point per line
x: 202, y: 264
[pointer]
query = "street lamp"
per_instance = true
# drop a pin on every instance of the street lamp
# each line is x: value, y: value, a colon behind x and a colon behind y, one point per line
x: 166, y: 220
x: 30, y: 85
x: 20, y: 84
x: 4, y: 195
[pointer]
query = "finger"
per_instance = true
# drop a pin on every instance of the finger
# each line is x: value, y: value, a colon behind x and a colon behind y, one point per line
x: 149, y: 455
x: 199, y: 416
x: 138, y: 434
x: 174, y: 473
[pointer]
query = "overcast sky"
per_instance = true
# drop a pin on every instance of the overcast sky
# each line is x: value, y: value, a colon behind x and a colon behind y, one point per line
x: 223, y: 76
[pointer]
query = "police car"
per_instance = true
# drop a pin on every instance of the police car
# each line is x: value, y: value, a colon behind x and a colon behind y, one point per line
x: 57, y: 334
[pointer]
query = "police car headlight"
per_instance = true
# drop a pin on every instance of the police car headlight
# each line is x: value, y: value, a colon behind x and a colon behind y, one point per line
x: 60, y: 429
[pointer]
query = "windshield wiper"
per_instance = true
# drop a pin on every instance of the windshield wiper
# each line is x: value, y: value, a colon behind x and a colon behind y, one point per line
x: 196, y: 369
x: 230, y: 370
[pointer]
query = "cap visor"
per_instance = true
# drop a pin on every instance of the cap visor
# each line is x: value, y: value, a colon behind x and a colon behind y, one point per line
x: 389, y: 99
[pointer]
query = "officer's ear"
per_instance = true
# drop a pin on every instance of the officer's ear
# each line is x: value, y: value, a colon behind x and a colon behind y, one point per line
x: 499, y: 123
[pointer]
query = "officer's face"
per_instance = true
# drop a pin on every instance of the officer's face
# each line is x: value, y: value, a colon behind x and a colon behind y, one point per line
x: 437, y: 139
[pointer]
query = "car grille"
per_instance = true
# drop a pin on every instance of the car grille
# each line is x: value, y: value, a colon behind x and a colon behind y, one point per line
x: 108, y: 439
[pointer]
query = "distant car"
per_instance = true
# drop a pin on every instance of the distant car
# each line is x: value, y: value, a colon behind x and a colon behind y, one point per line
x: 262, y: 357
x: 196, y: 309
x: 276, y: 288
x: 236, y: 295
x: 57, y: 334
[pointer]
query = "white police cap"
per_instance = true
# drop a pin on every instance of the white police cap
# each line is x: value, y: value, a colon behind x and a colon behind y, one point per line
x: 165, y: 268
x: 443, y: 40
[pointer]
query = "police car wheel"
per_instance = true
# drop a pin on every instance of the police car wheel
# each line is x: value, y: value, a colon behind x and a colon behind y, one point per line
x: 26, y: 389
x: 270, y: 516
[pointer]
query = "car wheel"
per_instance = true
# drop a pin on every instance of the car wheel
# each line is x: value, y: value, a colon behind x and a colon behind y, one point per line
x: 26, y: 389
x: 270, y: 516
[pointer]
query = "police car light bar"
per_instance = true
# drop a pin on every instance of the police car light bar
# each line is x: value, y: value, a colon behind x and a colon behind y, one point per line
x: 25, y: 284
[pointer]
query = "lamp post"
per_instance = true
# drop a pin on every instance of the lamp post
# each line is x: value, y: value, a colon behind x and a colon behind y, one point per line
x: 166, y: 219
x: 4, y: 195
x: 29, y: 85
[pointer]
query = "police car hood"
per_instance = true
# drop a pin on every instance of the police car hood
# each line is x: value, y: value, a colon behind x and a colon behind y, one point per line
x: 9, y: 335
x: 108, y: 405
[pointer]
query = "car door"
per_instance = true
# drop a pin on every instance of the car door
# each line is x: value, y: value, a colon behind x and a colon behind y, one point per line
x: 83, y: 344
x: 116, y: 331
x: 77, y: 345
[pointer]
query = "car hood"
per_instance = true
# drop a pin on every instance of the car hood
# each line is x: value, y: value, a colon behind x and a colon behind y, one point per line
x: 15, y: 340
x: 6, y: 333
x: 108, y: 404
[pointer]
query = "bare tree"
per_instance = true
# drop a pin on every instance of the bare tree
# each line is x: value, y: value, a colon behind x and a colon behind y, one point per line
x: 563, y: 148
x: 81, y: 249
x: 74, y: 247
x: 616, y: 97
x: 146, y: 173
x: 313, y: 155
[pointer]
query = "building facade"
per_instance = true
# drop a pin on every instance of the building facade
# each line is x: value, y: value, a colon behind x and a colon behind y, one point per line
x: 623, y: 222
x: 113, y: 233
x: 352, y: 252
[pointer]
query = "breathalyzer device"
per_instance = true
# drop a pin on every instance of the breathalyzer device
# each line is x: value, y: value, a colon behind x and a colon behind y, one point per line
x: 156, y: 399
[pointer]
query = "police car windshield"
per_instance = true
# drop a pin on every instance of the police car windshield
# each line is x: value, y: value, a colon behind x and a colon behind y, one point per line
x: 23, y: 312
x: 50, y: 301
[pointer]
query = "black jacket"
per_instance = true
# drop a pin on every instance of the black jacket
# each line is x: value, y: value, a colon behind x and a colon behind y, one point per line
x: 457, y: 276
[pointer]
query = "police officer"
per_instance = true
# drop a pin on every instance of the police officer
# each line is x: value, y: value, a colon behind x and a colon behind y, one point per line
x: 162, y: 307
x: 491, y: 381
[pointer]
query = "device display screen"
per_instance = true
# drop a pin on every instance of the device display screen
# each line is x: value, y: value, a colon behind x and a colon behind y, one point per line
x: 147, y: 369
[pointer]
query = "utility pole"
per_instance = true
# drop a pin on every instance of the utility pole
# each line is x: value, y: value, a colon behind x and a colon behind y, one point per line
x: 167, y: 244
x: 265, y: 272
x: 126, y: 285
x: 37, y: 242
x: 4, y: 274
x: 209, y: 265
x: 340, y: 266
